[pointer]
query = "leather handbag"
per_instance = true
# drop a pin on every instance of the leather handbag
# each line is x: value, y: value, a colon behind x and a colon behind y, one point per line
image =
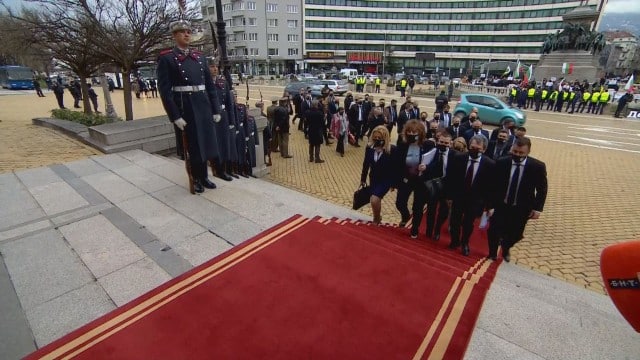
x: 352, y: 139
x: 361, y: 197
x: 435, y: 188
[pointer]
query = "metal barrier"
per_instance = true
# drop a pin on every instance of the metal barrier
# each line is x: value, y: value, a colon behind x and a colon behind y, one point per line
x: 494, y: 90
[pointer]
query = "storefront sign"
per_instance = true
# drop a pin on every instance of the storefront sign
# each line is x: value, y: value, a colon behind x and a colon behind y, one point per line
x: 320, y: 55
x: 364, y: 57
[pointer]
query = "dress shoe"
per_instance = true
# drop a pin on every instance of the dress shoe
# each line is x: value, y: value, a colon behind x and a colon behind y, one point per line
x: 208, y: 184
x: 319, y: 161
x: 414, y: 233
x: 436, y: 237
x: 287, y: 157
x: 311, y: 160
x: 506, y: 257
x: 402, y: 224
x: 197, y: 186
x: 234, y: 175
x: 465, y: 250
x: 243, y: 174
x: 492, y: 257
x: 356, y: 145
x: 454, y: 245
x: 224, y: 177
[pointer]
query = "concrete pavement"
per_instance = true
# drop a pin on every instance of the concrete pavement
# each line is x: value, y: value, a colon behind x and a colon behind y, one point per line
x: 81, y: 238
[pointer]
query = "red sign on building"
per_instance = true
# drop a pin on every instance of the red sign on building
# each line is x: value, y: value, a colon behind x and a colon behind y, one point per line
x: 364, y: 57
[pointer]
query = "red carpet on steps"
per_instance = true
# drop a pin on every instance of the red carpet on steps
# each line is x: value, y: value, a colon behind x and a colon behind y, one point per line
x: 305, y: 289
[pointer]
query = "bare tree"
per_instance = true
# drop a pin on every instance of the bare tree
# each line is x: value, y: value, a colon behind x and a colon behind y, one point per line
x: 129, y: 32
x: 15, y: 47
x: 65, y: 34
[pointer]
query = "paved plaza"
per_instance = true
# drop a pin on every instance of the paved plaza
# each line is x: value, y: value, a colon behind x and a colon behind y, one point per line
x: 592, y: 162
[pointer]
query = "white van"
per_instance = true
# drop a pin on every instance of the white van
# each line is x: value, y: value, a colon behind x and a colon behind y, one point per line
x: 349, y: 73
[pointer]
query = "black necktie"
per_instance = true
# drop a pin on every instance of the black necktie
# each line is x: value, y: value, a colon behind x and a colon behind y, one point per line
x: 468, y: 179
x: 513, y: 186
x: 455, y: 129
x: 441, y: 162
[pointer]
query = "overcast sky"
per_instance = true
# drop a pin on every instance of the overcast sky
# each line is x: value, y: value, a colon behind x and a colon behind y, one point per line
x: 622, y: 6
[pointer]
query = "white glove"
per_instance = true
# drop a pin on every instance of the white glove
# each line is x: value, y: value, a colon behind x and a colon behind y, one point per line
x: 216, y: 117
x: 222, y: 107
x: 180, y: 123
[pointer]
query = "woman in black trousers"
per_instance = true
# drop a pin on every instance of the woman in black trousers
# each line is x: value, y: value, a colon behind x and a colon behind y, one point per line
x: 379, y: 166
x: 409, y: 172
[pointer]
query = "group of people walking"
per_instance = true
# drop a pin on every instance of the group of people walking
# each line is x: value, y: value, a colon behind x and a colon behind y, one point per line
x: 457, y: 185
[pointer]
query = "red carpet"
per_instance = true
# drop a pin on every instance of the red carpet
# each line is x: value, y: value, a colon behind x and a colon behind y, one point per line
x: 307, y: 288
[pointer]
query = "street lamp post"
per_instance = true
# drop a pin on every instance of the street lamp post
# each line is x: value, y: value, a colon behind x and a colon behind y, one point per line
x: 384, y: 51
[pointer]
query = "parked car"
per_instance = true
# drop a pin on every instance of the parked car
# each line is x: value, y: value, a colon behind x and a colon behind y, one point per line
x: 339, y: 87
x: 456, y: 81
x: 294, y: 87
x: 491, y: 109
x: 235, y: 78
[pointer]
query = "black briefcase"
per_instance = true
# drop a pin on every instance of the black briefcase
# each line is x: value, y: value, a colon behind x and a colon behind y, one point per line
x: 361, y: 197
x: 435, y: 188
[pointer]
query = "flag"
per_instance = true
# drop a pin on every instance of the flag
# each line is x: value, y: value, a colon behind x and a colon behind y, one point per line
x: 629, y: 83
x: 506, y: 72
x: 518, y: 70
x: 567, y: 68
x: 530, y: 73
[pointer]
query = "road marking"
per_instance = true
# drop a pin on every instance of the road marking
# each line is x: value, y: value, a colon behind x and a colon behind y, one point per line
x: 606, y: 142
x: 605, y: 135
x: 569, y: 123
x: 601, y: 130
x: 583, y: 144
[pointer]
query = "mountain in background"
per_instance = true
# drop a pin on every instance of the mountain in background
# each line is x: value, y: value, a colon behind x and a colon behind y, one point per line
x: 620, y: 21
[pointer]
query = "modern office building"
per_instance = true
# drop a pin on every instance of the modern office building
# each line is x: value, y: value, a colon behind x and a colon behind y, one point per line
x: 450, y: 37
x: 263, y: 37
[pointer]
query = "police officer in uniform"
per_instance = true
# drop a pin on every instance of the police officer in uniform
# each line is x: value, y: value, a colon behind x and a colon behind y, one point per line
x: 188, y: 97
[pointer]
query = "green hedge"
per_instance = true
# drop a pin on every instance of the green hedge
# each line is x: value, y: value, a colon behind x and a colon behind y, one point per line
x: 82, y: 118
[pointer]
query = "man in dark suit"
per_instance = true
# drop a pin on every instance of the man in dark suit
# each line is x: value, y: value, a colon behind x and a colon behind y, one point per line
x: 471, y: 178
x: 445, y: 117
x: 465, y: 123
x: 404, y: 116
x: 437, y: 168
x: 391, y: 114
x: 508, y: 125
x: 521, y: 191
x: 454, y: 129
x: 476, y: 129
x: 304, y: 107
x: 356, y: 114
x: 500, y: 146
x: 298, y: 99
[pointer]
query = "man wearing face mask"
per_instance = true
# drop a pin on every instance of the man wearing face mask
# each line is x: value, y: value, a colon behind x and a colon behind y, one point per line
x: 446, y: 116
x: 305, y: 107
x: 454, y: 128
x: 521, y: 184
x: 500, y: 146
x: 470, y: 191
x: 405, y: 115
x: 476, y: 129
x: 356, y: 118
x: 391, y: 114
x: 437, y: 168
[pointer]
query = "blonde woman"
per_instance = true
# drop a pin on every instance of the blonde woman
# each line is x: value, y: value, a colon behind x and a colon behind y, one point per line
x: 378, y: 165
x: 459, y: 144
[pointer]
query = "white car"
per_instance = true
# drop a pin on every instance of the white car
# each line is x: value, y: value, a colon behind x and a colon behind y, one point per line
x: 339, y: 87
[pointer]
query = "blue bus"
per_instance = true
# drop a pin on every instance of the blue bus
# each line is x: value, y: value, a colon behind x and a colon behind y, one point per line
x: 16, y: 77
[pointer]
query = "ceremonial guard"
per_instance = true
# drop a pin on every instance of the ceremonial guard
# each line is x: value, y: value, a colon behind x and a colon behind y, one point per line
x: 189, y: 98
x: 252, y: 140
x: 225, y: 128
x: 242, y: 134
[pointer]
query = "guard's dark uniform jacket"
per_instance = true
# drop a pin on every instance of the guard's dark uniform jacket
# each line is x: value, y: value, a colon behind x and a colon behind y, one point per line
x: 226, y: 128
x: 187, y: 91
x: 253, y: 139
x: 241, y: 133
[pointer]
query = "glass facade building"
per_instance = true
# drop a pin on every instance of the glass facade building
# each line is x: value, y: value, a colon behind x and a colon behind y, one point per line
x: 454, y: 36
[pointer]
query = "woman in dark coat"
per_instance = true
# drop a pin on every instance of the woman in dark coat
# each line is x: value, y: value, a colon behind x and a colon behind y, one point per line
x: 409, y: 170
x: 315, y: 129
x: 379, y: 167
